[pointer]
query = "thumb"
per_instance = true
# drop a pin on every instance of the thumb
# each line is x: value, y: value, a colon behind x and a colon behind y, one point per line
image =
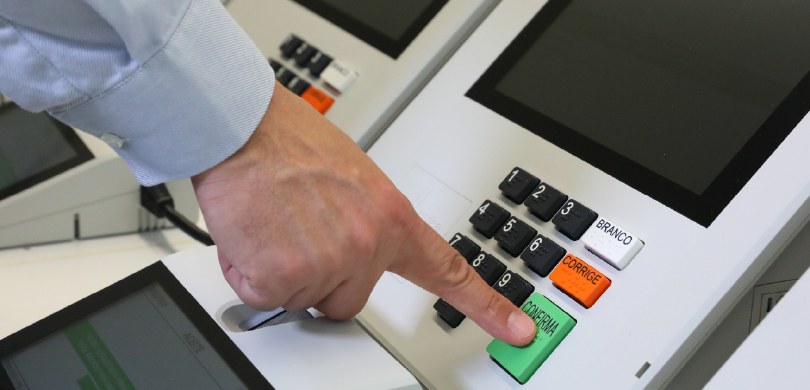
x: 432, y: 264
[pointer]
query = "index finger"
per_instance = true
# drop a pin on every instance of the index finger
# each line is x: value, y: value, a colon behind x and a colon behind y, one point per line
x: 431, y: 263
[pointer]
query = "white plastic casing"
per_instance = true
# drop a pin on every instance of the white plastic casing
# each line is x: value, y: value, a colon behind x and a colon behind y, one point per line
x: 448, y: 153
x: 383, y: 85
x: 97, y: 198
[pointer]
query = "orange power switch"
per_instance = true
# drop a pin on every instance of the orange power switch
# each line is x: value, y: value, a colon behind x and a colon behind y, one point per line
x: 579, y: 280
x: 318, y: 99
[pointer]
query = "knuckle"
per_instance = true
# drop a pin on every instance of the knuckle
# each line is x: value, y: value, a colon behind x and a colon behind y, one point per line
x: 296, y: 305
x: 457, y: 274
x: 257, y: 278
x: 258, y: 303
x: 396, y: 206
x: 494, y: 305
x: 269, y: 286
x: 257, y: 300
x: 364, y: 240
x: 344, y: 311
x: 305, y: 298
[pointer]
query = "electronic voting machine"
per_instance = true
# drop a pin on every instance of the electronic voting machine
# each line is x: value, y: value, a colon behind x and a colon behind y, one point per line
x: 358, y: 62
x: 621, y: 171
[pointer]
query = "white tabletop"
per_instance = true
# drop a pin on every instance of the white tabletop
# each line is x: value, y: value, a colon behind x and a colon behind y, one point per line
x: 38, y: 281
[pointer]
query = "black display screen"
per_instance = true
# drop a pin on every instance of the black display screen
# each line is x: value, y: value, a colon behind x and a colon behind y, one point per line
x: 388, y: 25
x: 34, y: 148
x: 144, y: 332
x: 684, y: 101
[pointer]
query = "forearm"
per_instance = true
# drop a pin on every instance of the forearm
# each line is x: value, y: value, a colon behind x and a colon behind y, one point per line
x: 183, y: 95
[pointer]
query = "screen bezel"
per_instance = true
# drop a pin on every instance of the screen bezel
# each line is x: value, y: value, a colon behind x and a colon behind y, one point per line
x: 391, y: 47
x: 83, y: 154
x: 155, y: 273
x: 702, y: 209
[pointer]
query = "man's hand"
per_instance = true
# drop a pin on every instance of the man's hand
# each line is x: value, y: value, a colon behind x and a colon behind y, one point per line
x: 303, y: 218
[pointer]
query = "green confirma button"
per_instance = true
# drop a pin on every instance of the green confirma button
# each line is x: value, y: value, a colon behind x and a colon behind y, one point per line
x: 553, y: 325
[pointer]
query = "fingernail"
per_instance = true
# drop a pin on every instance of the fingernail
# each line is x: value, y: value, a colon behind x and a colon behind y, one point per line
x: 521, y: 325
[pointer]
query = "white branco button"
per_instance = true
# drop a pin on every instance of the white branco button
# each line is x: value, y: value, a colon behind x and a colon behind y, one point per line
x: 338, y: 76
x: 611, y: 243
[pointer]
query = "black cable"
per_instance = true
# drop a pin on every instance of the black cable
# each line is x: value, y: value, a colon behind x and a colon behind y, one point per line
x: 188, y: 227
x: 159, y: 202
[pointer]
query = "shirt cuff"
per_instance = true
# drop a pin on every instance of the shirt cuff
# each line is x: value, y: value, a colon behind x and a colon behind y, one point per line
x: 190, y: 106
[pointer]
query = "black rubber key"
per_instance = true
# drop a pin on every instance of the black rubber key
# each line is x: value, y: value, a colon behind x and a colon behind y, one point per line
x: 514, y: 236
x: 464, y: 245
x: 488, y: 218
x: 514, y: 288
x: 318, y: 63
x: 517, y: 185
x: 542, y: 255
x: 290, y: 45
x: 448, y: 313
x: 303, y: 54
x: 573, y: 219
x: 544, y: 201
x: 488, y: 267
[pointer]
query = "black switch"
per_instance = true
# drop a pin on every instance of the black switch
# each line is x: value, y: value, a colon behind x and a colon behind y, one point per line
x: 514, y: 236
x: 465, y: 246
x: 448, y: 313
x: 488, y: 267
x: 544, y: 201
x: 514, y: 288
x: 573, y: 219
x: 488, y: 218
x: 542, y: 255
x: 318, y: 63
x: 517, y: 185
x: 290, y: 45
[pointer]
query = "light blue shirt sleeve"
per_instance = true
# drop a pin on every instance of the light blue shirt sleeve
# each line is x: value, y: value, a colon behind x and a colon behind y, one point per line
x: 178, y: 81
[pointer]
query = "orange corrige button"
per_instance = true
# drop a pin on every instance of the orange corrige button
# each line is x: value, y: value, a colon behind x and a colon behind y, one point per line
x: 579, y: 280
x: 318, y: 99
